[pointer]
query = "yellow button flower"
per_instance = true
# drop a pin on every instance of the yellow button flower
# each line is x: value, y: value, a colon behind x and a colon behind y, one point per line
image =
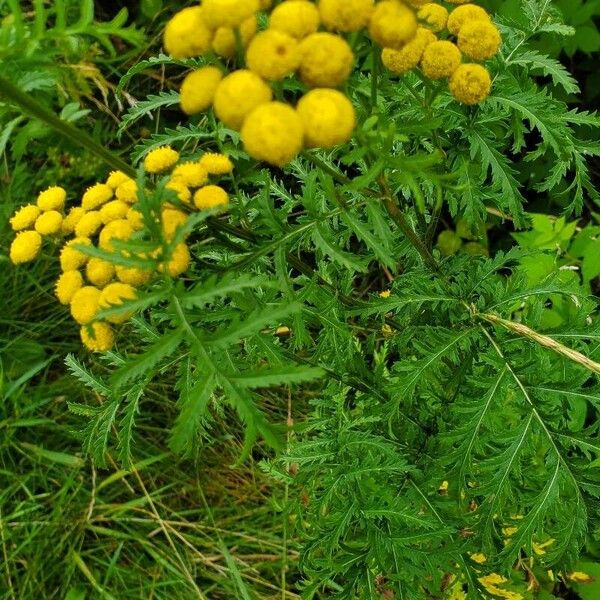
x: 84, y: 304
x: 135, y: 218
x: 25, y: 247
x: 127, y: 191
x: 97, y: 337
x: 116, y: 178
x: 440, y: 59
x: 210, y: 196
x: 471, y: 84
x: 198, y: 89
x: 273, y: 55
x: 228, y: 13
x: 161, y: 159
x: 192, y: 174
x: 216, y: 164
x: 115, y: 209
x: 479, y: 40
x: 133, y: 275
x: 273, y: 132
x: 224, y: 42
x: 52, y: 199
x: 346, y: 15
x: 121, y: 229
x: 73, y: 217
x: 89, y: 224
x: 25, y: 217
x: 297, y: 18
x: 67, y: 284
x: 49, y: 223
x: 408, y: 57
x: 435, y: 16
x: 172, y: 220
x: 326, y: 60
x: 100, y: 272
x: 183, y: 192
x: 392, y: 24
x: 96, y: 196
x: 238, y: 95
x: 187, y: 33
x: 115, y: 294
x: 71, y: 258
x: 468, y: 12
x: 179, y: 262
x: 328, y: 118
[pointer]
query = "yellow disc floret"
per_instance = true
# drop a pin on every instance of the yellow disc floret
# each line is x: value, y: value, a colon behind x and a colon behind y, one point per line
x: 346, y: 15
x: 274, y: 133
x: 392, y: 24
x: 161, y: 159
x: 99, y: 272
x: 84, y: 304
x: 181, y: 190
x: 25, y: 247
x: 89, y: 224
x: 133, y: 275
x: 325, y: 60
x: 192, y: 174
x: 198, y: 89
x: 297, y: 18
x: 136, y: 219
x: 71, y: 258
x: 210, y: 196
x: 479, y: 39
x: 25, y: 217
x: 239, y: 94
x: 73, y: 217
x: 408, y: 57
x: 461, y: 15
x: 115, y: 209
x: 95, y: 196
x: 67, y: 284
x: 187, y: 33
x: 121, y: 229
x: 440, y: 59
x: 273, y: 55
x: 127, y: 191
x: 179, y: 261
x: 470, y: 84
x: 172, y: 220
x: 97, y: 336
x: 116, y: 178
x: 224, y: 42
x: 228, y: 13
x: 434, y: 16
x: 328, y: 118
x: 52, y: 199
x: 115, y: 294
x: 216, y: 164
x: 49, y: 223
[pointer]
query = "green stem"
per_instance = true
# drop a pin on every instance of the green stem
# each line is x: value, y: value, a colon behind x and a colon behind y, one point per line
x: 375, y: 67
x: 27, y: 104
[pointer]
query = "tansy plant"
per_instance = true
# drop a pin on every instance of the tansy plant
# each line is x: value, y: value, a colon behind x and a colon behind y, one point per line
x: 354, y: 126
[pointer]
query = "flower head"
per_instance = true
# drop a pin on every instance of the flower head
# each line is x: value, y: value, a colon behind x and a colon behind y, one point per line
x: 172, y: 220
x: 274, y: 133
x: 116, y: 178
x: 326, y: 60
x: 181, y: 190
x: 73, y: 217
x: 210, y: 196
x: 224, y: 42
x: 471, y: 84
x: 161, y: 159
x: 97, y: 336
x: 99, y: 272
x: 327, y: 116
x: 440, y: 59
x: 228, y: 13
x: 216, y: 164
x: 297, y: 18
x: 179, y: 262
x: 346, y: 15
x: 479, y: 39
x: 198, y: 89
x: 392, y: 24
x: 187, y: 33
x: 238, y: 95
x: 115, y: 294
x: 120, y: 229
x: 192, y: 174
x: 25, y: 247
x: 273, y: 55
x: 84, y: 304
x: 89, y: 224
x: 435, y: 16
x: 96, y: 196
x: 133, y: 275
x: 67, y: 284
x: 115, y: 209
x: 52, y: 199
x: 408, y: 57
x: 127, y: 191
x: 49, y: 223
x: 135, y: 219
x: 25, y: 217
x: 72, y: 258
x: 461, y: 15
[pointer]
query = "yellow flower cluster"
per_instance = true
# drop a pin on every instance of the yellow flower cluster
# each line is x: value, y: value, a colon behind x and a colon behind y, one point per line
x: 292, y: 44
x: 108, y: 212
x: 409, y: 40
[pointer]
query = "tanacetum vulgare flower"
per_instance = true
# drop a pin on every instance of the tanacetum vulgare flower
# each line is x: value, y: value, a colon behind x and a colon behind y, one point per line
x: 25, y: 247
x: 95, y: 196
x: 392, y: 24
x: 435, y: 16
x: 182, y: 191
x: 328, y: 118
x: 210, y: 196
x: 73, y: 217
x: 84, y: 304
x: 127, y: 191
x: 25, y: 217
x: 97, y: 336
x: 115, y: 209
x: 116, y: 178
x: 408, y: 57
x: 346, y: 15
x: 479, y: 40
x: 161, y: 159
x: 470, y: 84
x: 52, y: 199
x: 120, y: 229
x: 187, y: 33
x: 133, y: 275
x: 172, y: 220
x: 239, y: 94
x: 179, y: 262
x: 297, y: 18
x: 224, y: 43
x: 89, y: 224
x: 228, y: 13
x: 113, y: 295
x: 274, y: 133
x: 49, y: 223
x: 468, y: 12
x: 440, y: 59
x: 192, y: 174
x: 67, y: 284
x: 71, y: 258
x: 99, y: 272
x: 325, y: 60
x: 135, y: 219
x: 273, y: 55
x: 198, y: 89
x: 216, y: 164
